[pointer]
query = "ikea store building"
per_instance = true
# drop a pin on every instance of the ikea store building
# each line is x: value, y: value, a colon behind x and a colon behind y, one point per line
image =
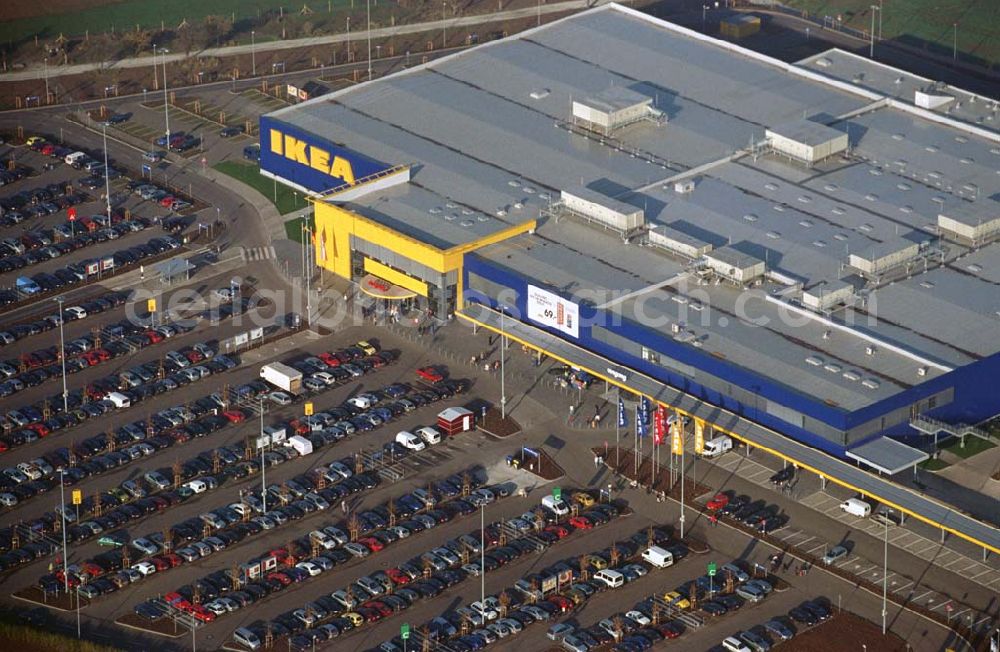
x: 734, y: 236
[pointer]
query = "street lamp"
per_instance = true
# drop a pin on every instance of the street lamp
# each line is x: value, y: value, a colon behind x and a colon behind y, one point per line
x: 954, y: 41
x: 107, y: 177
x: 503, y: 375
x: 444, y: 27
x: 885, y: 574
x: 369, y: 40
x: 263, y: 479
x: 62, y: 500
x: 349, y: 58
x: 482, y: 552
x: 874, y: 8
x: 62, y: 354
x: 46, y: 62
x: 253, y: 53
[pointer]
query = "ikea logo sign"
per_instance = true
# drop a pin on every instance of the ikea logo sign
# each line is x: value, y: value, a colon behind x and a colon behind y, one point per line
x: 313, y: 156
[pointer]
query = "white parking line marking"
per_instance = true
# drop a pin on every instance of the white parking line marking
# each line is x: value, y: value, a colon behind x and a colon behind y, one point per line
x: 922, y: 596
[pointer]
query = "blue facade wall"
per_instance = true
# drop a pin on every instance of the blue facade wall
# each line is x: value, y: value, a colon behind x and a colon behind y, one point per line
x: 972, y: 398
x: 313, y: 174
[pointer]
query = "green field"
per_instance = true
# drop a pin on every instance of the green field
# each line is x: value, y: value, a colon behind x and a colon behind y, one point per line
x: 919, y: 22
x: 283, y: 197
x: 973, y: 446
x: 147, y: 14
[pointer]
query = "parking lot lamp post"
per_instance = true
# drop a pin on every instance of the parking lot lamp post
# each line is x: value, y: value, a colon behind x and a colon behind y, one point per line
x: 263, y: 480
x: 46, y: 61
x: 62, y: 355
x: 369, y: 40
x: 62, y: 500
x: 166, y: 104
x: 444, y: 27
x: 482, y: 553
x: 349, y: 39
x: 78, y: 611
x: 253, y: 53
x: 885, y: 573
x: 503, y: 375
x: 107, y: 177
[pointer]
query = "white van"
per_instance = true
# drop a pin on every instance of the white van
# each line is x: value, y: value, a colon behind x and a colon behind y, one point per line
x: 119, y: 400
x: 733, y: 644
x: 856, y: 507
x: 408, y: 440
x: 611, y: 578
x: 558, y: 506
x: 717, y: 446
x: 72, y: 159
x: 197, y: 486
x: 430, y: 435
x: 658, y: 557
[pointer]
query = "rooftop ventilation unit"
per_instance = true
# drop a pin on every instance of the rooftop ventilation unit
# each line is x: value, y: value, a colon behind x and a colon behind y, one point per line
x: 807, y: 141
x: 684, y: 187
x: 606, y: 211
x: 734, y: 265
x: 676, y: 241
x: 826, y: 295
x: 613, y: 109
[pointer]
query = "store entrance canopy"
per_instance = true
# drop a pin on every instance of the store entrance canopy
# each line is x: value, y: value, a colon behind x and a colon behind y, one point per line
x: 887, y: 455
x: 382, y: 289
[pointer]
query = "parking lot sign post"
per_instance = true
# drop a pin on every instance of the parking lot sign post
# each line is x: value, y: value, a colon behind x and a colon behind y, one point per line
x: 712, y: 569
x: 309, y: 409
x: 557, y: 493
x: 404, y: 633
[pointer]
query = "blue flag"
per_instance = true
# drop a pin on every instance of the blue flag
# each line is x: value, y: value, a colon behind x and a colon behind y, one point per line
x: 622, y: 417
x: 641, y: 427
x: 644, y: 408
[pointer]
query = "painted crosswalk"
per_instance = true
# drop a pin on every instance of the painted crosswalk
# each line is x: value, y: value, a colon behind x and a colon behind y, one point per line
x: 251, y: 254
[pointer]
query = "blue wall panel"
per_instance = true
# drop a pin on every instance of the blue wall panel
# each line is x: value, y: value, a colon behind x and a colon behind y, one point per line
x: 320, y: 153
x: 974, y: 399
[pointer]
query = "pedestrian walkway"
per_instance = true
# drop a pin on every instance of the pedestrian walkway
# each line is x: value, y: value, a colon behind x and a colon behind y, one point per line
x: 250, y: 254
x: 909, y: 541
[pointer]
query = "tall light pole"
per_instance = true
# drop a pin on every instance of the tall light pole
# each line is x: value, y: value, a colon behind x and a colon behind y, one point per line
x: 107, y: 177
x: 482, y: 553
x: 444, y: 27
x: 885, y: 575
x: 62, y: 500
x: 166, y: 105
x: 156, y: 75
x: 503, y: 375
x: 263, y: 479
x: 349, y: 39
x: 954, y: 41
x: 253, y: 53
x: 704, y: 10
x: 46, y: 62
x: 62, y: 354
x: 871, y: 52
x: 880, y: 20
x: 369, y: 40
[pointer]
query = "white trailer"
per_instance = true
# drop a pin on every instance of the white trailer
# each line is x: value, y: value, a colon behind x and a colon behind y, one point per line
x: 282, y: 376
x: 301, y: 445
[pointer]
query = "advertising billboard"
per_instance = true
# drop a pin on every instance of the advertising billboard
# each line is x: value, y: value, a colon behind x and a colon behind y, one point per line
x: 551, y: 310
x: 307, y: 160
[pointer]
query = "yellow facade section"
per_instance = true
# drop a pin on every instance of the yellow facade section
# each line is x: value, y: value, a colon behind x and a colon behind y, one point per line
x: 387, y: 273
x: 335, y: 226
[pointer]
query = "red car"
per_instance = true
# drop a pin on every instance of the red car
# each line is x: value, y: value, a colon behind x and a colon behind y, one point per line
x: 173, y: 559
x: 558, y: 530
x: 372, y: 544
x: 202, y: 614
x: 193, y: 356
x: 669, y: 630
x: 39, y: 429
x: 153, y: 337
x: 160, y: 563
x: 378, y: 606
x: 234, y: 416
x: 397, y: 576
x: 102, y: 354
x: 564, y: 604
x: 167, y: 201
x: 280, y: 577
x: 298, y: 427
x: 719, y: 501
x: 430, y: 374
x: 581, y: 523
x: 329, y: 359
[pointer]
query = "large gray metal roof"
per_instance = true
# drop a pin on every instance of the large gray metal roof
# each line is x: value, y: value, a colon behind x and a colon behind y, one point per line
x: 490, y: 131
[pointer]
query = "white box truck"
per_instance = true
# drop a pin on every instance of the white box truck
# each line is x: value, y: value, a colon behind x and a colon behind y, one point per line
x: 119, y: 400
x: 856, y: 507
x: 301, y: 445
x: 718, y: 446
x: 658, y: 557
x: 276, y: 434
x: 282, y: 376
